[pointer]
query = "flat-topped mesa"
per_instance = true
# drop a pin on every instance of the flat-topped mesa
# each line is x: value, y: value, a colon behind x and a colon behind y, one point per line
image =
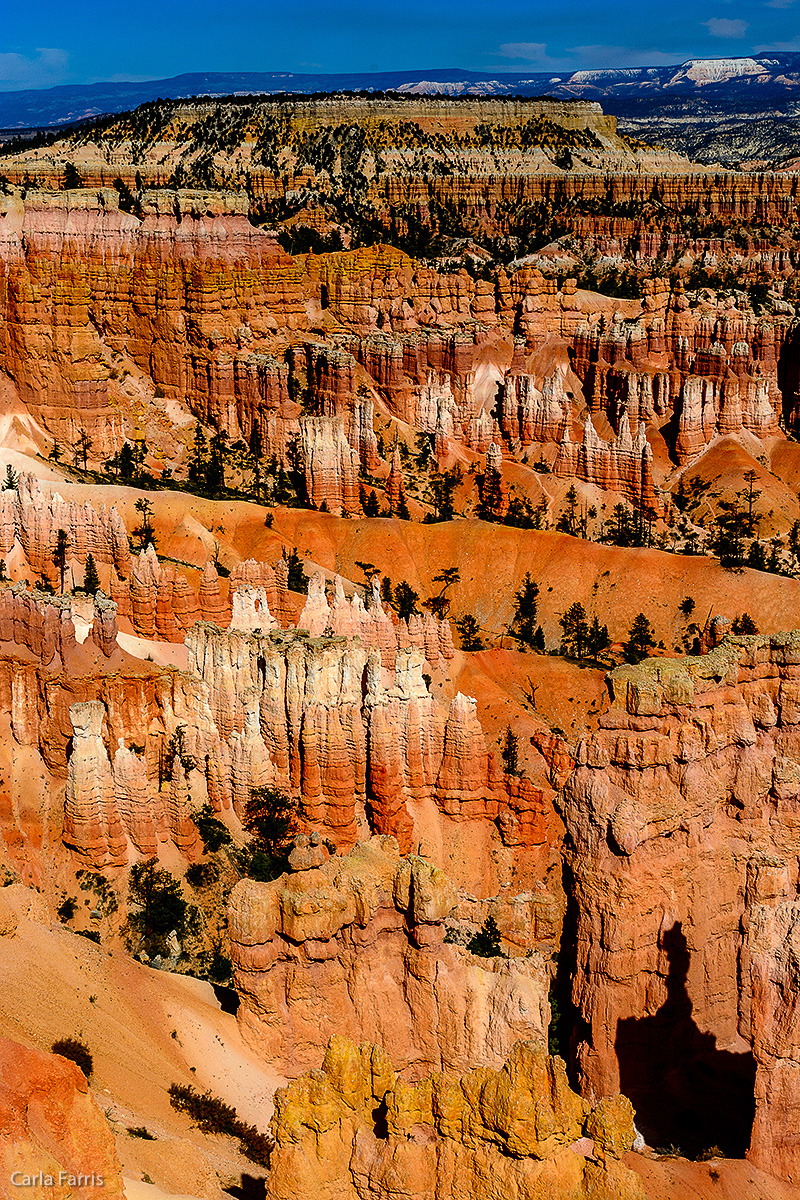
x: 362, y: 939
x: 514, y: 1131
x: 245, y: 394
x: 33, y: 517
x: 677, y: 805
x: 623, y: 466
x: 709, y: 407
x: 399, y: 361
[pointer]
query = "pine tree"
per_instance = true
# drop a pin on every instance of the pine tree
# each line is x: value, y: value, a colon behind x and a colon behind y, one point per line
x: 470, y: 633
x: 487, y: 942
x: 125, y: 462
x: 60, y: 555
x: 405, y: 600
x: 91, y: 579
x: 371, y: 506
x: 597, y: 639
x: 575, y: 632
x: 296, y: 581
x: 72, y: 177
x: 145, y: 531
x: 526, y: 606
x: 199, y: 455
x: 509, y: 752
x: 11, y: 479
x: 640, y: 640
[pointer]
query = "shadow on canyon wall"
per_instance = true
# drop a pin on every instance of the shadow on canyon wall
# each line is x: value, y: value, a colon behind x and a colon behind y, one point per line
x: 686, y: 1092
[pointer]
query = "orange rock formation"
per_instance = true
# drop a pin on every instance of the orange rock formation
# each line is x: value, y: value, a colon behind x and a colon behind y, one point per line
x: 517, y: 1131
x: 354, y: 945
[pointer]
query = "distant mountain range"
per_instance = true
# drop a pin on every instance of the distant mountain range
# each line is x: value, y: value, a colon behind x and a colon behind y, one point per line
x: 716, y: 109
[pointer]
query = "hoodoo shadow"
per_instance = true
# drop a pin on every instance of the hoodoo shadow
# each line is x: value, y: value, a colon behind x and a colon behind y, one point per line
x: 686, y: 1092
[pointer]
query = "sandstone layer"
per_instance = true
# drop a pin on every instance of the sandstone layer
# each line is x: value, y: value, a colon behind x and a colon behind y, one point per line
x: 358, y: 1128
x: 682, y: 843
x: 355, y: 945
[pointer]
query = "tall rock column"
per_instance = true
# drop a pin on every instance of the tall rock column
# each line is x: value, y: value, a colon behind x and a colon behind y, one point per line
x: 774, y: 979
x: 91, y: 822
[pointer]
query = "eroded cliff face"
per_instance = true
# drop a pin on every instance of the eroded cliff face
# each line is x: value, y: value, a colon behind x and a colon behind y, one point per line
x: 682, y: 841
x: 197, y: 313
x: 355, y: 945
x: 358, y: 1128
x: 341, y: 718
x: 771, y: 969
x: 322, y: 718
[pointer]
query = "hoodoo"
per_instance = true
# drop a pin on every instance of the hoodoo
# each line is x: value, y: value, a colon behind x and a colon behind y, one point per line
x: 399, y: 650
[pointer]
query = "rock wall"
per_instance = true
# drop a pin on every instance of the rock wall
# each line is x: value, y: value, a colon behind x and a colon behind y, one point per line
x: 198, y: 302
x: 623, y: 466
x: 517, y: 1131
x: 340, y: 731
x: 355, y: 946
x: 69, y: 254
x: 772, y: 971
x: 680, y: 813
x: 331, y: 465
x: 91, y: 821
x: 336, y: 388
x: 715, y: 366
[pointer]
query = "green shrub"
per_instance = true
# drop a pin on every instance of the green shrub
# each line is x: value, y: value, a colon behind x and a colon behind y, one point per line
x: 212, y: 1115
x: 202, y: 875
x: 157, y: 908
x: 75, y: 1051
x: 487, y: 942
x: 139, y: 1131
x: 214, y: 834
x: 91, y: 934
x: 269, y: 816
x: 221, y: 968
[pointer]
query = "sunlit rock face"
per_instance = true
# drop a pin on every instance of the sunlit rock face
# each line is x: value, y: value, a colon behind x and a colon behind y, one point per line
x: 682, y: 843
x: 355, y: 945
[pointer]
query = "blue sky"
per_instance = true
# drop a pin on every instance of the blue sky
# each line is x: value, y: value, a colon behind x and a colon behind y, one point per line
x: 48, y: 42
